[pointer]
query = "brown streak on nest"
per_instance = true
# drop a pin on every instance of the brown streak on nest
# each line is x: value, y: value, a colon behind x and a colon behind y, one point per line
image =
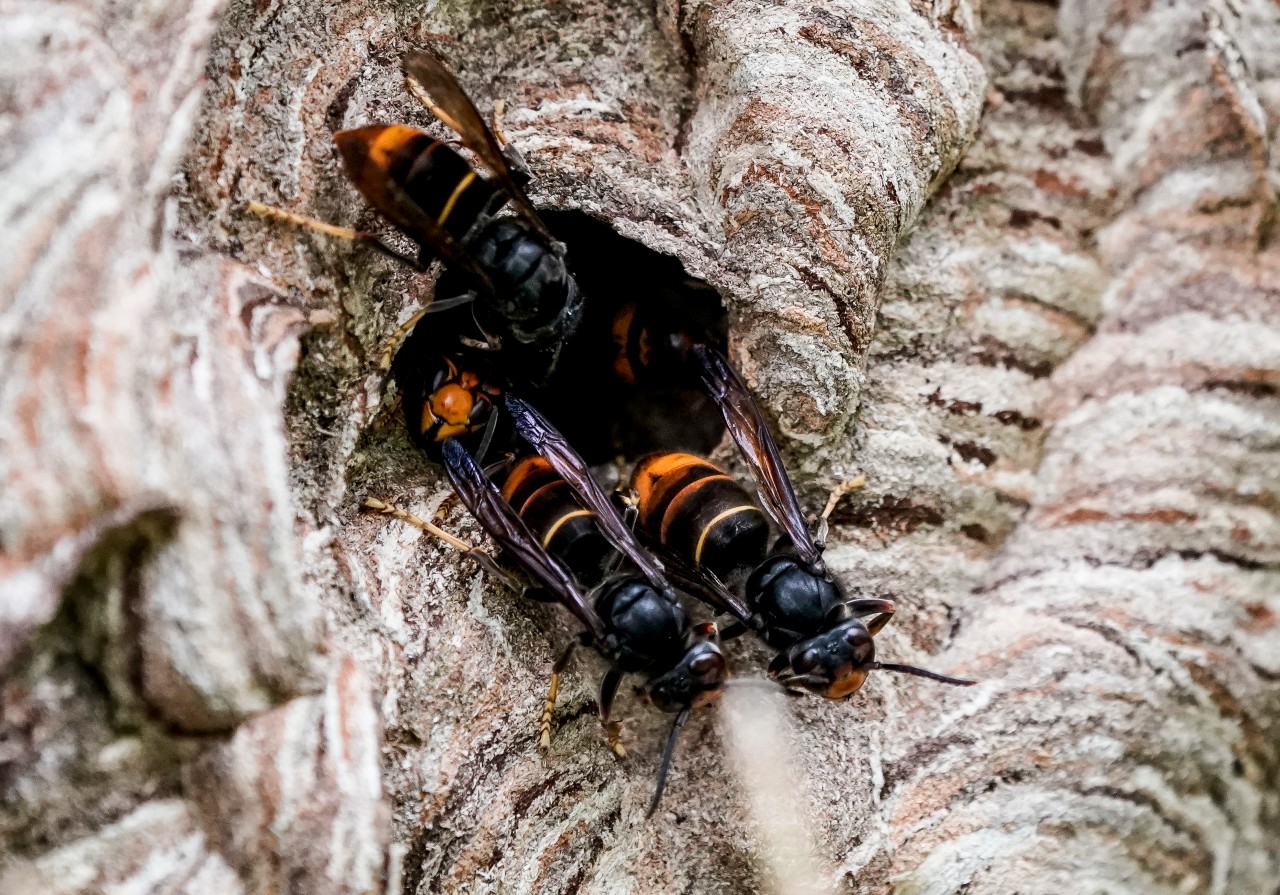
x: 469, y: 777
x: 1258, y: 744
x: 972, y: 452
x: 880, y: 59
x: 1025, y: 218
x: 1050, y: 97
x: 992, y: 352
x: 1086, y: 515
x: 1126, y: 375
x: 1061, y: 184
x: 890, y: 515
x: 954, y: 405
x: 1091, y: 146
x: 1219, y: 285
x: 758, y: 124
x: 1072, y: 327
x: 1259, y: 384
x: 1216, y: 133
x: 1261, y: 617
x: 1145, y: 559
x: 570, y: 843
x: 1171, y: 863
x: 844, y: 312
x: 801, y: 198
x: 1015, y: 418
x: 1118, y: 633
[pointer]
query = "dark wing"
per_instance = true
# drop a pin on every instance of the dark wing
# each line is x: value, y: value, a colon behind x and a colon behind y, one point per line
x: 703, y: 586
x: 432, y: 83
x: 499, y: 519
x: 747, y: 426
x: 429, y: 233
x: 549, y: 443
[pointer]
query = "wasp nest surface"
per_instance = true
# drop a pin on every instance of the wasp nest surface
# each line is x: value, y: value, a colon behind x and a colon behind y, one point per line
x: 1019, y: 271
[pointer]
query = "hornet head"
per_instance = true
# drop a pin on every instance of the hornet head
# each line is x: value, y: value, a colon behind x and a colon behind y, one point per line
x: 696, y: 680
x: 836, y: 662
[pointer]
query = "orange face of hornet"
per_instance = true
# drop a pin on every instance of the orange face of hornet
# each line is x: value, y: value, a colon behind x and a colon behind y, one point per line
x: 848, y: 680
x: 459, y: 404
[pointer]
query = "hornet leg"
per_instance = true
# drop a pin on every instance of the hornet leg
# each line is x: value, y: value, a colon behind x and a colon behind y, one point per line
x: 553, y: 690
x: 833, y: 500
x: 386, y: 413
x: 361, y: 237
x: 397, y: 338
x: 515, y: 158
x: 612, y: 729
x: 500, y: 466
x: 630, y: 513
x: 484, y: 560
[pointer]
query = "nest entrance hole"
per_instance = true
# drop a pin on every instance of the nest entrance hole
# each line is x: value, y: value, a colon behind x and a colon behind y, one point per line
x: 604, y: 418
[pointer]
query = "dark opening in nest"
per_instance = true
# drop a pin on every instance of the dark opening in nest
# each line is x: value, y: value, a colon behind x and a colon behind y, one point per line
x: 603, y: 416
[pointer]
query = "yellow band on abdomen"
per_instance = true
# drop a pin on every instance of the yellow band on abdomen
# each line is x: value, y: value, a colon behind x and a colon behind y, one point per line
x: 453, y: 197
x: 546, y: 541
x: 702, y: 538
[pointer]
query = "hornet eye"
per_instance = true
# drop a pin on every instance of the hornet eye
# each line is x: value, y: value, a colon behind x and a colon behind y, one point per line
x: 807, y: 661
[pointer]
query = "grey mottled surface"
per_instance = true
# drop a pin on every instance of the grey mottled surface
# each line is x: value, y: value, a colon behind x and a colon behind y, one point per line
x: 1049, y: 338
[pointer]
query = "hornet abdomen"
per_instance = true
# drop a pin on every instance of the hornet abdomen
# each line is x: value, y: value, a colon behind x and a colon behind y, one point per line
x: 567, y: 531
x: 390, y: 163
x: 694, y: 509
